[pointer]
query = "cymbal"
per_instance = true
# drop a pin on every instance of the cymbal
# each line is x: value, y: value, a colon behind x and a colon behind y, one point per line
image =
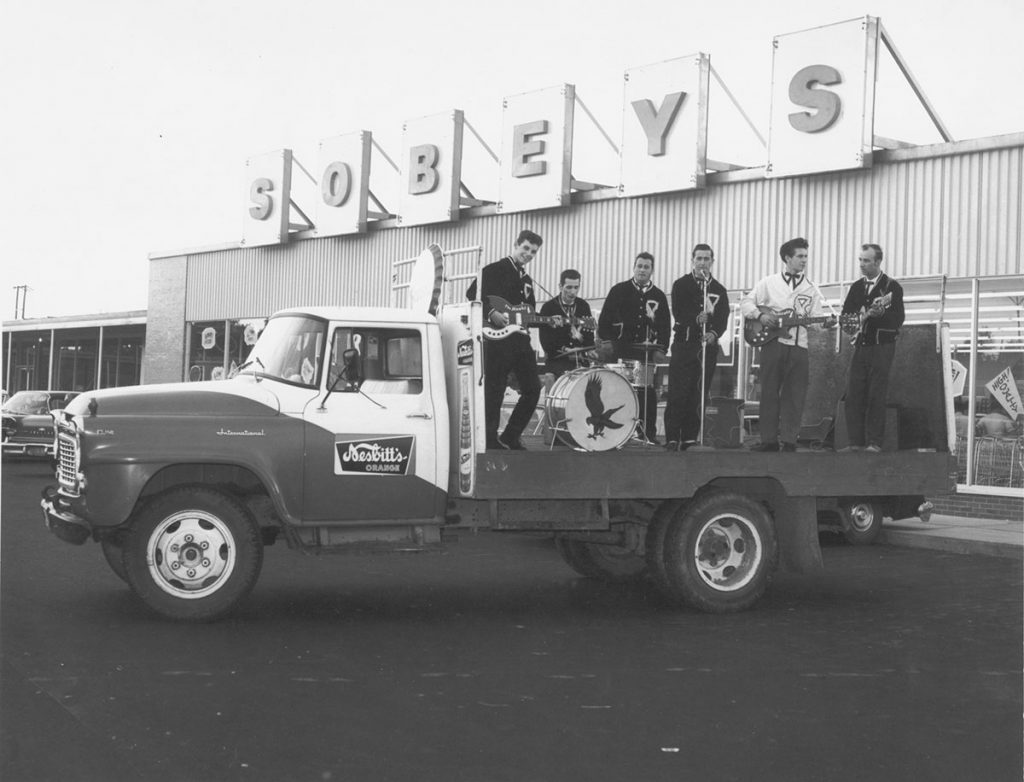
x: 572, y: 351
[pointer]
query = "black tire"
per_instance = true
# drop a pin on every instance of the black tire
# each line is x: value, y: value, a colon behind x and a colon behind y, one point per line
x: 655, y: 541
x: 193, y: 553
x: 718, y: 552
x: 113, y: 552
x: 861, y: 521
x: 612, y: 564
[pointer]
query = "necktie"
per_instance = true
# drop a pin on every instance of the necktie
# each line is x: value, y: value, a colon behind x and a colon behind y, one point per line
x: 792, y: 279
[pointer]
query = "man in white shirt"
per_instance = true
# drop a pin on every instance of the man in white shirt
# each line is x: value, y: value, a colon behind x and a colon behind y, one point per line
x: 784, y: 363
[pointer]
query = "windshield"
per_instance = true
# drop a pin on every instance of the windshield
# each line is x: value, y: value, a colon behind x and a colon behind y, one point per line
x: 289, y: 349
x: 28, y: 403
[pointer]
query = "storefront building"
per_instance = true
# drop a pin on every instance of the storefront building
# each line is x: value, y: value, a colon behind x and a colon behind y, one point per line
x: 77, y: 353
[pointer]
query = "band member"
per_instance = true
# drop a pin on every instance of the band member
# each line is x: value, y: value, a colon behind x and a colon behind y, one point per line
x: 635, y: 324
x: 508, y: 279
x: 572, y: 333
x: 700, y: 307
x: 877, y: 300
x: 784, y: 363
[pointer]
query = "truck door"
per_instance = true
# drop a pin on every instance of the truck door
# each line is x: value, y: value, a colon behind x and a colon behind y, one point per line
x: 371, y: 446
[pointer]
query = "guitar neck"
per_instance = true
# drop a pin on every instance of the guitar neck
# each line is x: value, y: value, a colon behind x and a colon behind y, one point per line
x: 786, y: 322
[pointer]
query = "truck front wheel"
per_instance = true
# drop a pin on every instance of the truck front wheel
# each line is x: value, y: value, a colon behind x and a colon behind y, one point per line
x: 193, y: 553
x: 718, y: 552
x: 113, y: 552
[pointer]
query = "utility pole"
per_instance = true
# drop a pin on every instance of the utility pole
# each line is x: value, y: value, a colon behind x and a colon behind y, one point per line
x: 20, y: 295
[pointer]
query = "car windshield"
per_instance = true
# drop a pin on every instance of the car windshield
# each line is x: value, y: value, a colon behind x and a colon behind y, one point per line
x: 289, y: 349
x: 28, y: 403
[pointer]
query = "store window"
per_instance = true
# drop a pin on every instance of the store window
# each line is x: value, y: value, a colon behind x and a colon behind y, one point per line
x: 121, y: 362
x: 217, y: 348
x: 988, y: 350
x: 75, y: 368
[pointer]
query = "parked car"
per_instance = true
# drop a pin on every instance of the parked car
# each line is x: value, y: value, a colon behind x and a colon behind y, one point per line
x: 27, y: 423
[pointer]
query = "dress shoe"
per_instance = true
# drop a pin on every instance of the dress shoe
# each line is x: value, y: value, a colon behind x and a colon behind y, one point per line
x: 873, y: 449
x: 788, y: 448
x: 765, y: 447
x: 850, y: 449
x: 672, y: 445
x: 687, y: 444
x: 511, y: 443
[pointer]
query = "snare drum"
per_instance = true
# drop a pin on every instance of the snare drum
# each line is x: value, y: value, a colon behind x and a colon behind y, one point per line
x: 636, y: 373
x: 593, y: 409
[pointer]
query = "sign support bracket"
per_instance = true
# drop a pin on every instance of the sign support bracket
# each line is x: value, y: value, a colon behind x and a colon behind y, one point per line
x: 914, y: 85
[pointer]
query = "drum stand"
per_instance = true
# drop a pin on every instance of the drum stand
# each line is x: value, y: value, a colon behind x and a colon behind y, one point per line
x: 646, y: 348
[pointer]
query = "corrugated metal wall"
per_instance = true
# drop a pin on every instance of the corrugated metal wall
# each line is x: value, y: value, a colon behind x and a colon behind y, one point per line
x: 955, y: 213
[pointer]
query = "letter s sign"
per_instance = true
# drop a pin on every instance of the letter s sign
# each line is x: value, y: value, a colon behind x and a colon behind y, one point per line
x: 264, y: 204
x: 802, y: 93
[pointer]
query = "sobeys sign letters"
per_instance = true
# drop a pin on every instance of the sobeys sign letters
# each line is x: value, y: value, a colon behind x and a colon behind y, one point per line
x: 822, y: 119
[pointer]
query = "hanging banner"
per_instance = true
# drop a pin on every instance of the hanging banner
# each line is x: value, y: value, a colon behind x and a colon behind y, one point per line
x: 344, y: 166
x: 431, y: 171
x: 536, y: 149
x: 959, y: 378
x: 823, y: 99
x: 665, y: 126
x: 1004, y: 389
x: 269, y: 184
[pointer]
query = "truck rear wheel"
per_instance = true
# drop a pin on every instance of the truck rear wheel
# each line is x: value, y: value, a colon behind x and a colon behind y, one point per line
x: 614, y: 564
x: 718, y: 552
x: 193, y: 554
x: 861, y: 521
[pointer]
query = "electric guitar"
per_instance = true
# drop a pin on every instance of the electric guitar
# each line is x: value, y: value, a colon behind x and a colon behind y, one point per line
x: 522, y: 316
x: 853, y: 322
x: 758, y: 334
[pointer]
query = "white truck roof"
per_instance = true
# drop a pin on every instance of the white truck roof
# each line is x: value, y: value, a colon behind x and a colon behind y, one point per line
x: 365, y: 314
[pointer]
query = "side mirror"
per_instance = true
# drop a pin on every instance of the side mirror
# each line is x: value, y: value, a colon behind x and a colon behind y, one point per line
x: 351, y: 373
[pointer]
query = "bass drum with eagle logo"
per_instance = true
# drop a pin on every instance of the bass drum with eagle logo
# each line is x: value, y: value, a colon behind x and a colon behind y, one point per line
x: 592, y: 409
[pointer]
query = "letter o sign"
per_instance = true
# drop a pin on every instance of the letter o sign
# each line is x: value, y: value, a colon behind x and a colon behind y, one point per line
x: 336, y: 184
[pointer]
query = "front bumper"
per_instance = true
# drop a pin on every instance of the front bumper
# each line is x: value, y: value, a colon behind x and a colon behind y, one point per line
x: 27, y: 449
x: 61, y: 521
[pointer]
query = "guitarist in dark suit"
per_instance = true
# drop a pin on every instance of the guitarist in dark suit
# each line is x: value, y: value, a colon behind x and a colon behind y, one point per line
x: 508, y: 279
x: 784, y: 363
x: 877, y: 300
x: 572, y: 333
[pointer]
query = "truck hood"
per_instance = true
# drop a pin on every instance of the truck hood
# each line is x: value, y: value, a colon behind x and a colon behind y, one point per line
x: 241, y: 397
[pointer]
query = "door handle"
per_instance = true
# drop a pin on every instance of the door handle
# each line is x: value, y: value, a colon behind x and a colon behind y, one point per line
x: 426, y: 416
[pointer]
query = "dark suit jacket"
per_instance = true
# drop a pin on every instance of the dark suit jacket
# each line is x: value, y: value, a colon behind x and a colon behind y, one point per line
x: 882, y: 330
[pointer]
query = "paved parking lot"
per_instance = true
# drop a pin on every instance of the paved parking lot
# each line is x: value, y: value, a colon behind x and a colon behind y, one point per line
x: 494, y: 661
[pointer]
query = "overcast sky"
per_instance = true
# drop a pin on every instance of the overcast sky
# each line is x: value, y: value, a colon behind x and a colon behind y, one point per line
x: 126, y: 125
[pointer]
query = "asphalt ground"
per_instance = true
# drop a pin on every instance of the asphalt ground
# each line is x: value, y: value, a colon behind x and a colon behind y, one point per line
x: 494, y: 661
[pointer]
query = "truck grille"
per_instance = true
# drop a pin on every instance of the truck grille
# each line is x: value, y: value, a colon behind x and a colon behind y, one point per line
x: 67, y: 461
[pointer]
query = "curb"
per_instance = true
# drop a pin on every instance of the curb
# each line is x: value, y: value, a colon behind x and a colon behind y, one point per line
x: 936, y: 541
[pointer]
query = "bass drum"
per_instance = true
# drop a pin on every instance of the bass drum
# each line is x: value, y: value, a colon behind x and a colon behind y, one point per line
x: 592, y: 409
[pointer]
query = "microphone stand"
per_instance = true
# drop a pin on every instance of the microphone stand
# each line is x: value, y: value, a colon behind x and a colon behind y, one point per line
x: 703, y: 350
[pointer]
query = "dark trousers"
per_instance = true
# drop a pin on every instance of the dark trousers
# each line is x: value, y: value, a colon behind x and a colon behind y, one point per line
x: 685, y: 400
x: 866, y: 391
x: 512, y: 354
x: 783, y: 391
